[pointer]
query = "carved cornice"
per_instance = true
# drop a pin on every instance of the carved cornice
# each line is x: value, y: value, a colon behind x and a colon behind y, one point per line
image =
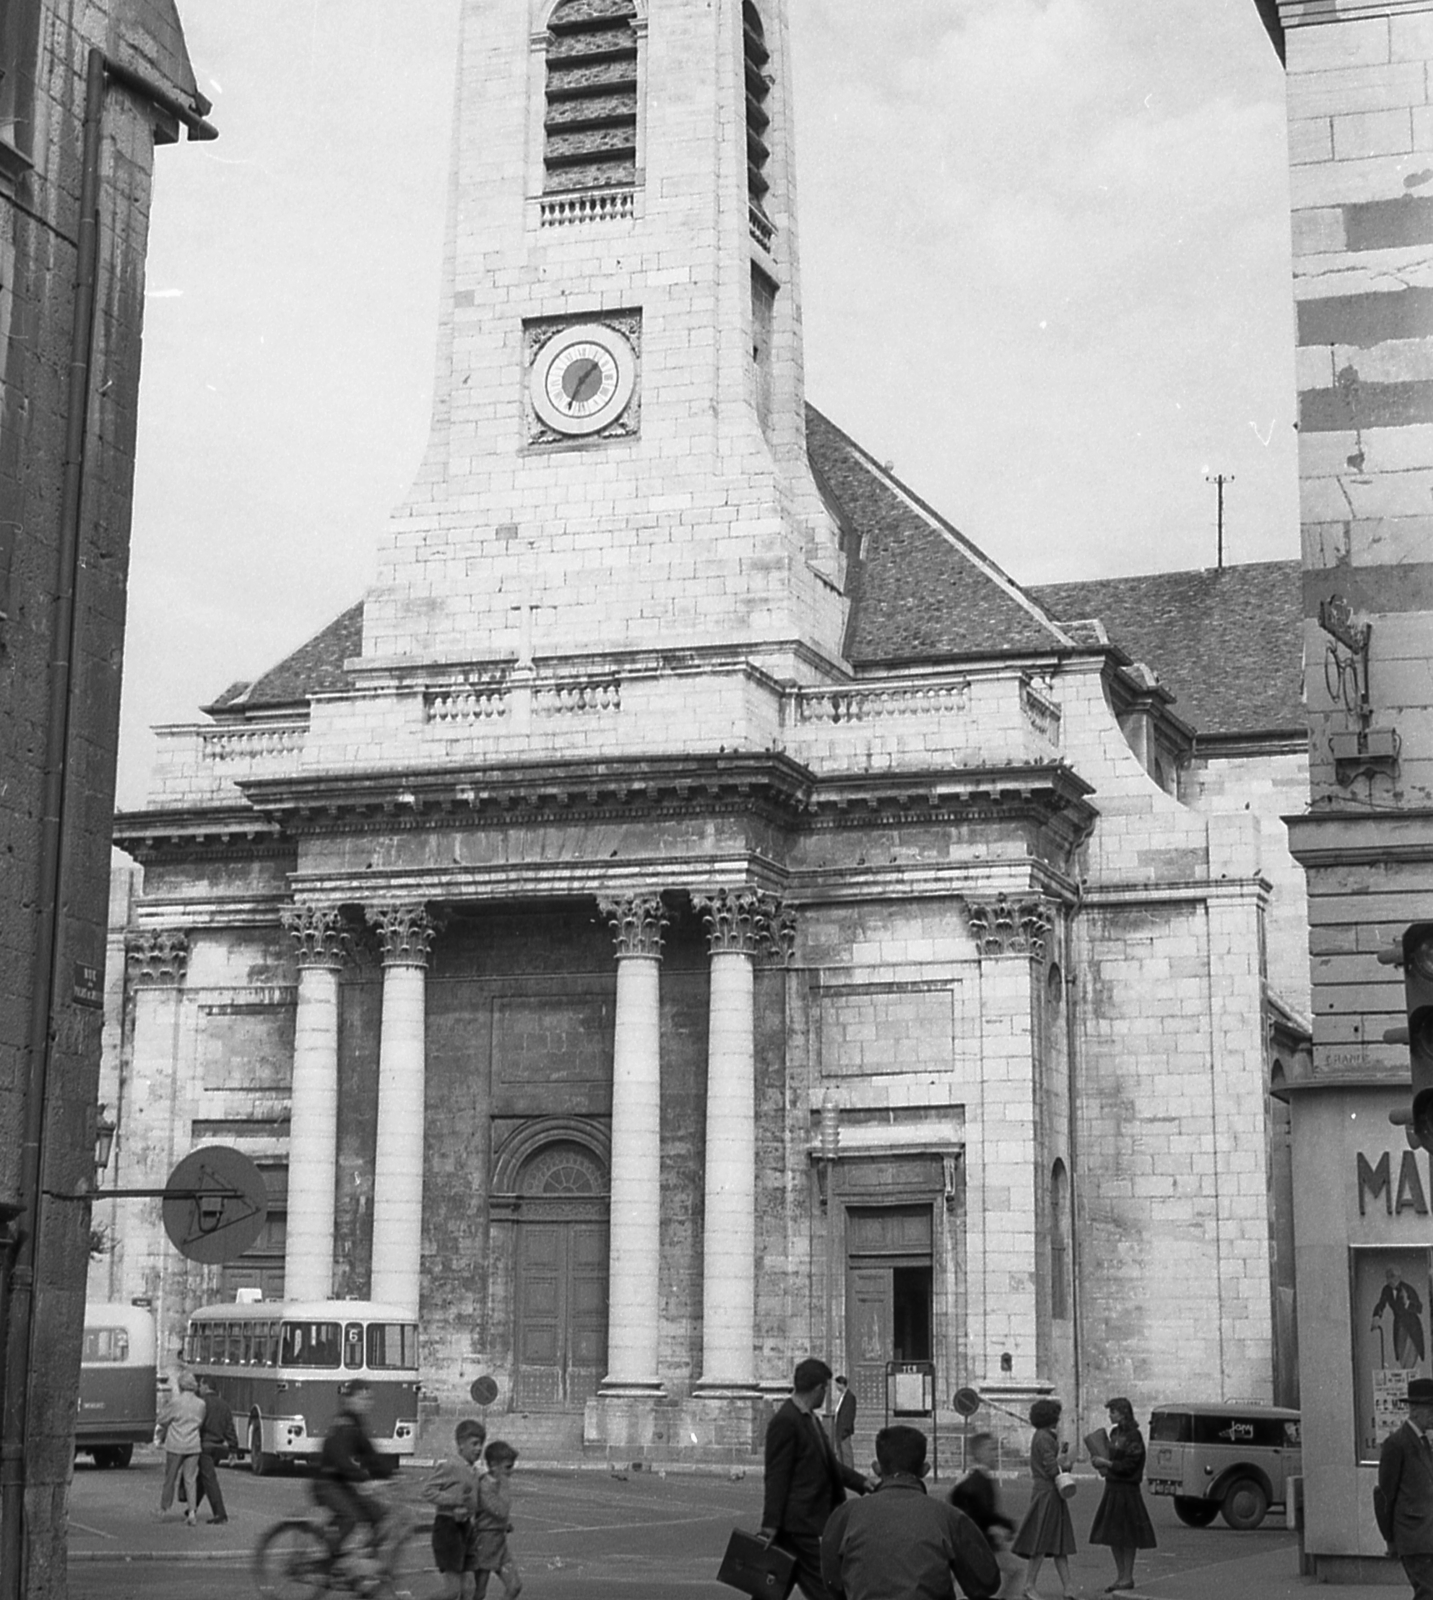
x: 637, y: 922
x: 746, y: 921
x: 320, y: 934
x: 405, y: 933
x: 157, y: 955
x: 1002, y: 927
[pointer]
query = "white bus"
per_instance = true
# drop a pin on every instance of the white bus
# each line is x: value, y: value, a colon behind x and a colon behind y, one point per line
x: 117, y: 1378
x: 283, y: 1366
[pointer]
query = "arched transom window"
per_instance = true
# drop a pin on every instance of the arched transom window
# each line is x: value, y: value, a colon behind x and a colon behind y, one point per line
x: 591, y: 119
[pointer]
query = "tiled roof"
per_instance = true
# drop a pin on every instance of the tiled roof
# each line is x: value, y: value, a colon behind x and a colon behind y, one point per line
x: 920, y: 590
x: 314, y: 668
x: 1227, y: 643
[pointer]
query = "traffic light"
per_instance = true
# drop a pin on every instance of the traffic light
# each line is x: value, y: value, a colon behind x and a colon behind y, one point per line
x: 1414, y: 953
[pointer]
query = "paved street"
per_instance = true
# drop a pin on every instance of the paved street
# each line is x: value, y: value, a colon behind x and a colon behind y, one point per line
x: 586, y: 1533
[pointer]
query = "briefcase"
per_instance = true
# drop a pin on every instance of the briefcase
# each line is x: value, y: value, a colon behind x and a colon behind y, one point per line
x: 763, y: 1570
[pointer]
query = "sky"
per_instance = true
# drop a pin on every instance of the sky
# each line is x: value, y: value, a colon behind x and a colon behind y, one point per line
x: 1045, y: 273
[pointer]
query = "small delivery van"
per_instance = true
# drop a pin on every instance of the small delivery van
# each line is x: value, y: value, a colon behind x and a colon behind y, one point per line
x: 1224, y: 1460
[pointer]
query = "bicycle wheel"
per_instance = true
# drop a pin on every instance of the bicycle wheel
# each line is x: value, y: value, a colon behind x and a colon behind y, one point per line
x: 410, y: 1567
x: 292, y: 1562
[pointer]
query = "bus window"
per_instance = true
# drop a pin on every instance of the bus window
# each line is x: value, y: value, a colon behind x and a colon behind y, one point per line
x: 392, y: 1344
x: 270, y: 1353
x: 236, y: 1338
x: 309, y: 1344
x: 353, y: 1344
x: 105, y: 1344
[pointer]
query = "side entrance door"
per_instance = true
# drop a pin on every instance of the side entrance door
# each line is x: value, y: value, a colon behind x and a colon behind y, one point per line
x: 561, y: 1313
x: 888, y: 1301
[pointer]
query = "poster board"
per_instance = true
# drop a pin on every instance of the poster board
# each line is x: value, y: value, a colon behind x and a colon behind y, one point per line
x: 1391, y: 1293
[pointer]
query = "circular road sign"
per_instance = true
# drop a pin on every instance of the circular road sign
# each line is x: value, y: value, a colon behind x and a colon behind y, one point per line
x: 966, y: 1402
x: 484, y: 1390
x: 214, y: 1204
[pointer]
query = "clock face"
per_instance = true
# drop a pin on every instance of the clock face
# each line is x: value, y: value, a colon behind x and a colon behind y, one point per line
x: 583, y: 379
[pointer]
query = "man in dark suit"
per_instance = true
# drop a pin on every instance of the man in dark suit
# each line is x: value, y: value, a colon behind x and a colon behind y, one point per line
x: 1403, y: 1502
x: 805, y: 1481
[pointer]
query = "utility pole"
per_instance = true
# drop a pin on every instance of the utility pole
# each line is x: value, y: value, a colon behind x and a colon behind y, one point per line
x: 1219, y: 479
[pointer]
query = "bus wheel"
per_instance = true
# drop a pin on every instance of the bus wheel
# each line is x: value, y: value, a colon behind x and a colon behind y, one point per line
x: 1194, y: 1512
x: 104, y: 1456
x: 259, y: 1463
x: 120, y: 1455
x: 1244, y: 1504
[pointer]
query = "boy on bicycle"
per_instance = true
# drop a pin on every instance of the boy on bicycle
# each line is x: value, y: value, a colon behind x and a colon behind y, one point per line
x: 348, y: 1460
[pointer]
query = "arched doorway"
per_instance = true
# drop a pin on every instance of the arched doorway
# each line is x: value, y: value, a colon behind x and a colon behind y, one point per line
x: 560, y: 1273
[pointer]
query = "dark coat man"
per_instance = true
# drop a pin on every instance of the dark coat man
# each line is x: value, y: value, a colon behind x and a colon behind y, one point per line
x: 217, y: 1439
x: 898, y: 1543
x: 805, y: 1481
x: 845, y: 1422
x: 1403, y: 1501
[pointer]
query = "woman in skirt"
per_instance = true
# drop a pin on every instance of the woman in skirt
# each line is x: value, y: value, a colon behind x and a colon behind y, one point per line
x: 1046, y: 1530
x: 1121, y: 1520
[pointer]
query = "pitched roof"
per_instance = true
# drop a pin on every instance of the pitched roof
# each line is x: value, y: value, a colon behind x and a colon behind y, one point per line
x: 314, y: 668
x: 920, y: 590
x: 1226, y: 642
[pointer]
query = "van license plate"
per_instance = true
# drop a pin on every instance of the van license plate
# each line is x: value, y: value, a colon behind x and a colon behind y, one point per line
x: 1164, y: 1486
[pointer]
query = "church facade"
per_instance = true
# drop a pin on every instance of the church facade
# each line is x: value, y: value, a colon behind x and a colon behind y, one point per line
x: 696, y: 909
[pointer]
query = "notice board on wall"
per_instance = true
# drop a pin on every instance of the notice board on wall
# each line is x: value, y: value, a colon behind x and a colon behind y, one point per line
x: 1391, y: 1296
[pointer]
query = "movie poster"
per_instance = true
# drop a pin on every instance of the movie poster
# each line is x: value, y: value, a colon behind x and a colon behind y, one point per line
x: 1392, y: 1294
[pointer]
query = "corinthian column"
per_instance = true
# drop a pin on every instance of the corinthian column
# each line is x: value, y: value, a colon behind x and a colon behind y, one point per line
x: 635, y: 1240
x: 738, y: 923
x: 405, y: 934
x: 313, y: 1116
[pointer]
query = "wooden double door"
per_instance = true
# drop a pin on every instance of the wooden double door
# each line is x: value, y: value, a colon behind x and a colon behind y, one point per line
x: 561, y: 1322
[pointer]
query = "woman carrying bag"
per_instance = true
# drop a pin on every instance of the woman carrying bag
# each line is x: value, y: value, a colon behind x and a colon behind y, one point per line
x: 1047, y: 1529
x: 1121, y: 1520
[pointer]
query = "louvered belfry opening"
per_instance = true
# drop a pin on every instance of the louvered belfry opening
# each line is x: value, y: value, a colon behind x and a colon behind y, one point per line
x: 758, y: 92
x: 591, y: 119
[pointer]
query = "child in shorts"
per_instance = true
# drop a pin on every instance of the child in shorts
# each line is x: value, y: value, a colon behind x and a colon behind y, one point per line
x: 494, y: 1524
x: 452, y: 1487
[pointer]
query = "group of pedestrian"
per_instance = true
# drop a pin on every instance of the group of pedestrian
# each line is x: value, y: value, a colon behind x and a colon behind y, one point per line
x: 196, y: 1428
x: 1121, y: 1520
x: 896, y: 1542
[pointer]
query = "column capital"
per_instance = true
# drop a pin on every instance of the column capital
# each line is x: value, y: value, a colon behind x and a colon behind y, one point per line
x: 405, y: 933
x: 157, y: 955
x: 746, y: 921
x: 1003, y: 927
x: 637, y: 922
x: 319, y: 933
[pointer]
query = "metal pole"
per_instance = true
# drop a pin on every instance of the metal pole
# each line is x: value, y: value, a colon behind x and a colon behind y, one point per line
x: 1219, y: 479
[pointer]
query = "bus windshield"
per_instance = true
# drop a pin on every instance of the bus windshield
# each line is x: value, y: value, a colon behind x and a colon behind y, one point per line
x: 310, y: 1344
x: 392, y: 1345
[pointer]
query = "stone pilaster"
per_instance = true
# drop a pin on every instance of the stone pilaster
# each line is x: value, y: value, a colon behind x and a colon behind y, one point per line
x: 635, y: 1243
x: 323, y: 946
x: 157, y: 955
x: 739, y: 923
x: 1002, y: 1157
x: 405, y: 935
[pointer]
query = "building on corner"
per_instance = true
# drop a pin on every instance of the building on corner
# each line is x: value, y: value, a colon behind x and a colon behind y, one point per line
x: 696, y: 908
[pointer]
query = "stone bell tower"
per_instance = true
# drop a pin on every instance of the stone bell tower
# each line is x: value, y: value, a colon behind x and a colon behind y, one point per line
x: 617, y: 460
